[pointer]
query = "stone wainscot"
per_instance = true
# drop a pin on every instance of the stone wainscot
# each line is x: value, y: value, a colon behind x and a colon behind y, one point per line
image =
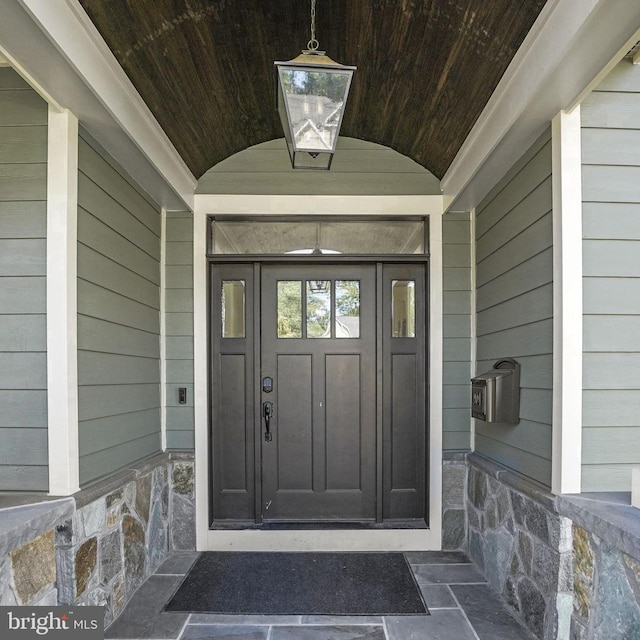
x: 567, y: 566
x: 98, y: 547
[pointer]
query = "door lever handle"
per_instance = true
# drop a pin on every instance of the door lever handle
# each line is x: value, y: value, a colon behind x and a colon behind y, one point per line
x: 267, y: 413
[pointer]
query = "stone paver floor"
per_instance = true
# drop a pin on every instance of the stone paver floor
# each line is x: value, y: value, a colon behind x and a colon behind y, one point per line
x: 462, y: 607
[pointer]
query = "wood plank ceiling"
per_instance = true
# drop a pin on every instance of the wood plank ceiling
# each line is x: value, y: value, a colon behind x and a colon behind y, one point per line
x: 426, y: 68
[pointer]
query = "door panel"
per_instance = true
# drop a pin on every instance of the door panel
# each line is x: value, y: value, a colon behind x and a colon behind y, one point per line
x: 321, y: 463
x: 233, y: 421
x: 343, y: 411
x: 293, y: 422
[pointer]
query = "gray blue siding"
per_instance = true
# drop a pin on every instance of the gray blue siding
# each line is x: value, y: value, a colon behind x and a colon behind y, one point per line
x: 611, y: 258
x: 514, y: 278
x: 23, y: 332
x: 179, y: 328
x: 118, y: 317
x: 456, y: 250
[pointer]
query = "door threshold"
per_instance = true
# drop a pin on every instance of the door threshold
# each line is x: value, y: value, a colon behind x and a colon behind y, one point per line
x: 318, y: 526
x: 320, y: 540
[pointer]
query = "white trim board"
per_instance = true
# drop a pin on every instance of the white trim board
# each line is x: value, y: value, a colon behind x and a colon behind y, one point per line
x: 569, y: 45
x: 62, y: 303
x: 322, y: 540
x: 383, y: 540
x: 566, y: 451
x: 163, y: 328
x: 252, y: 205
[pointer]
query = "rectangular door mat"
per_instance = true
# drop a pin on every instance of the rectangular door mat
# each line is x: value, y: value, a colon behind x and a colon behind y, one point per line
x: 300, y: 584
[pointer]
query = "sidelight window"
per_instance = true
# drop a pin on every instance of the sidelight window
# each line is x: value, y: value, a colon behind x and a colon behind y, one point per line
x: 403, y: 308
x: 233, y: 308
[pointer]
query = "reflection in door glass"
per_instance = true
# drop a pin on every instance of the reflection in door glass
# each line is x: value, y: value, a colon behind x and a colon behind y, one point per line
x: 289, y: 309
x: 403, y: 309
x: 347, y: 308
x: 233, y: 303
x: 318, y: 308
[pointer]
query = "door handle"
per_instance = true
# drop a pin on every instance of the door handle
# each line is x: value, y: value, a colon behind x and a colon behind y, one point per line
x: 267, y: 413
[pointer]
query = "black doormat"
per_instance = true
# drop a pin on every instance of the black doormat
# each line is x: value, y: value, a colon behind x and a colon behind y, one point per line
x: 300, y: 584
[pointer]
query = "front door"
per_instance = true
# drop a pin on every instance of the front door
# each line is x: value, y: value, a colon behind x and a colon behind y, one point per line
x: 319, y: 364
x: 318, y: 394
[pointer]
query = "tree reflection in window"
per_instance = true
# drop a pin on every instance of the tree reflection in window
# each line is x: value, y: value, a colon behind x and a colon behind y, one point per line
x: 347, y: 308
x: 318, y: 308
x: 289, y: 309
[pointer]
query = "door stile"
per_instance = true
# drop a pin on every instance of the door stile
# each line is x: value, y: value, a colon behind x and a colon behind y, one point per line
x: 427, y: 383
x: 379, y: 394
x: 257, y: 387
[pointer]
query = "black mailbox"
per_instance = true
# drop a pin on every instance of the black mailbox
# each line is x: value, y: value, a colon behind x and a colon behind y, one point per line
x: 495, y: 395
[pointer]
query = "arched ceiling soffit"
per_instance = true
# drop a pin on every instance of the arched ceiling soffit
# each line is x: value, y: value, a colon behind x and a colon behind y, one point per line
x: 426, y: 68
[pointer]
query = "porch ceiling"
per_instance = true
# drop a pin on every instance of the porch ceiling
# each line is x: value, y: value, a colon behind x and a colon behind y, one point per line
x: 426, y: 68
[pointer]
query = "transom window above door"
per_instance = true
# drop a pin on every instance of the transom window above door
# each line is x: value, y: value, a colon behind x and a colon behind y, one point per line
x: 317, y: 237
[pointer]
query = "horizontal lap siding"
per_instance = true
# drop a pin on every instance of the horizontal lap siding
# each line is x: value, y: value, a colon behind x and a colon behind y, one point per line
x: 179, y: 328
x: 118, y: 318
x: 456, y: 250
x: 611, y: 257
x: 514, y: 280
x: 23, y: 327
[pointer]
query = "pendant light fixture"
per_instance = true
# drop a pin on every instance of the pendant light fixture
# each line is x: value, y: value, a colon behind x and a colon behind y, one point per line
x: 311, y: 96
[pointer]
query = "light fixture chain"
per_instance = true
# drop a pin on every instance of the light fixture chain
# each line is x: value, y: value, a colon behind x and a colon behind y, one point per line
x: 313, y: 44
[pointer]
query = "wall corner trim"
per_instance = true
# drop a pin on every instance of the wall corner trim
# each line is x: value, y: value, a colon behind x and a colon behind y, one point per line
x: 62, y: 302
x: 567, y: 302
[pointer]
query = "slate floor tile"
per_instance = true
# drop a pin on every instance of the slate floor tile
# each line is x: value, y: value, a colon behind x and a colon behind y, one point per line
x: 446, y: 574
x: 222, y: 618
x: 436, y: 557
x: 143, y: 618
x: 440, y: 625
x: 341, y: 620
x: 178, y: 563
x: 487, y: 614
x: 346, y: 632
x: 224, y: 631
x: 438, y: 596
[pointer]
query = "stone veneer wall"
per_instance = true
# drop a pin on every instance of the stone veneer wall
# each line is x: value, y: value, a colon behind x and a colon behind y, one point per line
x: 606, y: 566
x: 99, y: 546
x: 566, y: 575
x: 454, y: 482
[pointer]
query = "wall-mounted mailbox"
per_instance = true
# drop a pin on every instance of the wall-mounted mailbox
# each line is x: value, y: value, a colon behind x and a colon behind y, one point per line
x: 495, y: 395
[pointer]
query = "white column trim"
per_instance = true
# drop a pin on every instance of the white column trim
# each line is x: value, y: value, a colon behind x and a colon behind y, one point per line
x: 474, y: 318
x: 567, y: 303
x: 435, y: 350
x: 62, y: 303
x: 163, y: 328
x: 201, y: 378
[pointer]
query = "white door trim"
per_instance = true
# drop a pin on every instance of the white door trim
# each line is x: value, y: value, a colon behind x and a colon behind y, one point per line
x: 323, y: 540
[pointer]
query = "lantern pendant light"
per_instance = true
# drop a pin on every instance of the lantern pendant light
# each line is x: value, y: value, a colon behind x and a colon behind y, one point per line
x: 311, y: 96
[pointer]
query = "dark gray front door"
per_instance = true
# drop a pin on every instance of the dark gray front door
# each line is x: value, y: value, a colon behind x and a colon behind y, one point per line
x: 318, y: 347
x: 342, y: 349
